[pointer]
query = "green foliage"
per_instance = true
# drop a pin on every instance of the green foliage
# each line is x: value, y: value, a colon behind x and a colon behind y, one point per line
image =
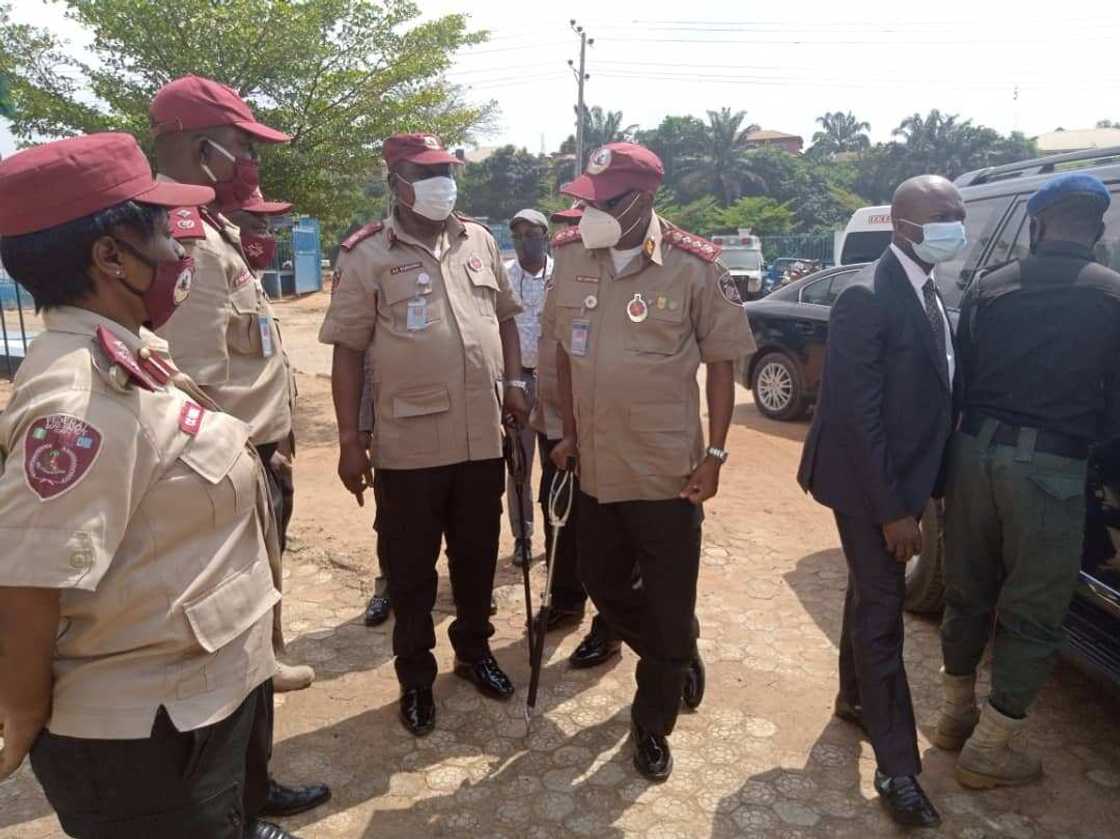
x: 763, y: 216
x: 509, y: 180
x: 840, y: 132
x: 699, y: 216
x: 339, y: 75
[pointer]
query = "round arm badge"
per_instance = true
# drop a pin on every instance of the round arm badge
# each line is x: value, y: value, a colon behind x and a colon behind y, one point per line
x: 729, y: 290
x: 58, y: 452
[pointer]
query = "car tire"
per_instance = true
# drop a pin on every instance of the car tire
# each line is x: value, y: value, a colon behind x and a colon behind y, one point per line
x: 925, y: 583
x: 778, y: 389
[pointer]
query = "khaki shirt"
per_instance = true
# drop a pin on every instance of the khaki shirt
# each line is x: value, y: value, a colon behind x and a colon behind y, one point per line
x: 636, y: 398
x: 149, y: 511
x: 436, y: 372
x: 546, y: 417
x: 217, y: 335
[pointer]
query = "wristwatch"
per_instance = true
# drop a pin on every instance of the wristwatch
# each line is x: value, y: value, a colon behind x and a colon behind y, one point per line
x: 718, y: 454
x: 520, y: 384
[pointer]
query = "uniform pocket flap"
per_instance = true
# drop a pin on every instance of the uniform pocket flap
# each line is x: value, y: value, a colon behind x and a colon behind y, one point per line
x: 665, y: 416
x: 212, y: 451
x: 1061, y: 487
x: 245, y: 300
x: 484, y: 279
x: 420, y: 403
x: 399, y: 288
x: 574, y: 295
x: 237, y: 603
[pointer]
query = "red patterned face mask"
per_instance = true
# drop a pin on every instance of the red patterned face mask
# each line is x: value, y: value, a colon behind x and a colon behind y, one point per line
x: 259, y: 250
x: 170, y: 286
x: 245, y: 181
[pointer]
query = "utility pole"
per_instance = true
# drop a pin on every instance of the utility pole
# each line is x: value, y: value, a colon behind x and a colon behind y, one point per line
x: 581, y: 77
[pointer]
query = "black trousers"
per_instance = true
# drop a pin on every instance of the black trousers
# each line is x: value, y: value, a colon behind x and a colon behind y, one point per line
x: 174, y: 785
x: 872, y: 673
x: 419, y: 507
x: 283, y: 493
x: 656, y: 620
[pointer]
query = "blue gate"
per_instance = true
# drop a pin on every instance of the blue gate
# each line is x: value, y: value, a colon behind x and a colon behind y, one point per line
x: 14, y: 335
x: 307, y: 256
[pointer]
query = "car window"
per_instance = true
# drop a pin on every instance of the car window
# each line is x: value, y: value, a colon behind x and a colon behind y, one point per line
x: 1014, y: 240
x: 817, y: 292
x: 1108, y: 248
x: 839, y: 283
x: 865, y: 246
x: 980, y: 224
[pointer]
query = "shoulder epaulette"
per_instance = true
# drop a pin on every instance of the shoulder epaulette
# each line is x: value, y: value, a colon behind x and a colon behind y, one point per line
x: 360, y: 234
x: 566, y: 237
x: 707, y: 251
x: 186, y: 224
x: 464, y: 218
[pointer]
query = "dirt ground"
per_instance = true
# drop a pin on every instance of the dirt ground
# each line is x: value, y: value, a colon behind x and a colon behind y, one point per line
x: 763, y: 757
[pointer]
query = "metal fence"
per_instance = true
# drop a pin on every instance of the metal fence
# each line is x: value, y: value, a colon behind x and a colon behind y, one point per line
x: 14, y: 335
x: 815, y: 246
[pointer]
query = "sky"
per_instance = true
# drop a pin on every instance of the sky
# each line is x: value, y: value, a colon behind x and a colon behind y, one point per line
x: 785, y: 64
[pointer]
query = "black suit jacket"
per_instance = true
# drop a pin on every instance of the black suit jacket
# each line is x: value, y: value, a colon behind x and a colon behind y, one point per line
x: 885, y: 410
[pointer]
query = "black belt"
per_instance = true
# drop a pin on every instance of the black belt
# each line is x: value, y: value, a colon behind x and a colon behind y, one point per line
x: 1047, y: 442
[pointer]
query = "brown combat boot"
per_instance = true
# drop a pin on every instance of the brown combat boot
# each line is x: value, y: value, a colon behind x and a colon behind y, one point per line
x: 988, y: 761
x: 959, y: 713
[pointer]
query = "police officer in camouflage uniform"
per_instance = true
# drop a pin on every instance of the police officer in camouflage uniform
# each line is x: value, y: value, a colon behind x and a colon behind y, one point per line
x: 1039, y: 341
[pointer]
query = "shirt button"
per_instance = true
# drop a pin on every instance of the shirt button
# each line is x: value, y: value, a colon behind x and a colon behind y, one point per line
x: 80, y: 560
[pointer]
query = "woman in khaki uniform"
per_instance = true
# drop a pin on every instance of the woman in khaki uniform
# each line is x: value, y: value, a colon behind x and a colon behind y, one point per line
x: 135, y: 592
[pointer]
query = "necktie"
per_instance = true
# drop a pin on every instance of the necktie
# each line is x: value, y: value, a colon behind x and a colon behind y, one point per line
x: 937, y: 324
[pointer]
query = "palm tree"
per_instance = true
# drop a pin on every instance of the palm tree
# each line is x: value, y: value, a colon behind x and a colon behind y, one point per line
x: 840, y: 132
x: 724, y: 165
x: 601, y: 127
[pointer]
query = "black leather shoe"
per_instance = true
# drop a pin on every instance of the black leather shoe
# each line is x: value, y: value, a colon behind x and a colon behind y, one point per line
x: 651, y: 754
x: 522, y: 552
x: 418, y: 711
x: 850, y: 713
x: 378, y: 610
x: 905, y: 801
x: 285, y: 801
x: 487, y: 677
x: 267, y: 830
x: 694, y: 684
x: 558, y: 618
x: 592, y: 651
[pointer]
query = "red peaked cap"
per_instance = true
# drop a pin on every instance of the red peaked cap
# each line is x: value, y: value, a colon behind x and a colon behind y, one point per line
x: 256, y: 204
x: 51, y: 184
x: 615, y: 169
x: 422, y: 149
x: 192, y: 102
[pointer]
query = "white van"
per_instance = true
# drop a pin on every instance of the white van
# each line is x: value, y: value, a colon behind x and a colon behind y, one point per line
x: 742, y: 256
x: 866, y: 237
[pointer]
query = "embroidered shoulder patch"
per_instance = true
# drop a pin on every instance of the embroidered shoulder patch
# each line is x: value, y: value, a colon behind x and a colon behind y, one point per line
x: 361, y: 233
x: 729, y: 290
x: 186, y: 223
x: 58, y: 452
x: 695, y: 245
x: 566, y: 237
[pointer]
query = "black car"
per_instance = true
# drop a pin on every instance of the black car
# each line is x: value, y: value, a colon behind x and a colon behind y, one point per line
x: 791, y: 326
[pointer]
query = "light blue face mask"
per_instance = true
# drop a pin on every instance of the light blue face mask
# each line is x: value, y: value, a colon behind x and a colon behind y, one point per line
x: 942, y: 241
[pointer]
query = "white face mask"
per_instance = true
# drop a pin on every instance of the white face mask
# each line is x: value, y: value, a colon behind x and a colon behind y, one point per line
x: 435, y: 197
x: 600, y: 229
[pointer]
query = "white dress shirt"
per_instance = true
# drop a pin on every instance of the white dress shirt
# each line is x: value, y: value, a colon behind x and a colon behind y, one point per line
x: 918, y: 277
x: 529, y: 289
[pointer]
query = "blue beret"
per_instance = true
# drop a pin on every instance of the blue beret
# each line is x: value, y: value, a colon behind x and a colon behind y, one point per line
x: 1065, y: 186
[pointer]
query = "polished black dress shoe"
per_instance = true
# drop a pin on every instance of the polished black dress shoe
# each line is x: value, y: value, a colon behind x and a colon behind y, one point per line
x: 290, y: 801
x: 267, y: 830
x: 418, y: 711
x: 694, y: 684
x: 593, y: 650
x: 850, y: 713
x: 378, y: 610
x: 651, y: 754
x: 905, y: 801
x: 487, y: 676
x: 558, y: 618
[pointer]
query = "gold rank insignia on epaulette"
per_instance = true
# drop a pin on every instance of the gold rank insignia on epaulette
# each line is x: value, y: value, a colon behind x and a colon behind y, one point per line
x: 566, y: 237
x: 695, y: 245
x: 361, y: 234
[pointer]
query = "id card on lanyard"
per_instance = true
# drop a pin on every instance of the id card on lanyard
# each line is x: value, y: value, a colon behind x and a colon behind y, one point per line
x: 264, y: 323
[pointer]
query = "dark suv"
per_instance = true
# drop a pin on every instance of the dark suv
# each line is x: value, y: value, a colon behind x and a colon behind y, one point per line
x: 996, y: 200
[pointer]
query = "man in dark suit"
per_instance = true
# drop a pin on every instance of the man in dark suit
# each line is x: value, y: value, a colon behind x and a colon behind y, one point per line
x: 874, y: 455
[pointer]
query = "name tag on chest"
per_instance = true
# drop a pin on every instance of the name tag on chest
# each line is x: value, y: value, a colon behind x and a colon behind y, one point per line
x: 581, y: 337
x: 264, y: 323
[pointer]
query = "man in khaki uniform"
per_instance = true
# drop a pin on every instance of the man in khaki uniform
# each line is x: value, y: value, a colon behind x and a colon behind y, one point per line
x: 135, y: 587
x: 427, y: 291
x: 225, y: 335
x: 637, y: 305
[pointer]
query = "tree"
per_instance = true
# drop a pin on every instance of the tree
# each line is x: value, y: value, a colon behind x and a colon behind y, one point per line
x: 339, y: 75
x: 723, y: 165
x: 1107, y: 123
x: 676, y: 140
x: 509, y: 180
x: 840, y: 132
x: 599, y: 128
x: 700, y: 216
x: 764, y: 216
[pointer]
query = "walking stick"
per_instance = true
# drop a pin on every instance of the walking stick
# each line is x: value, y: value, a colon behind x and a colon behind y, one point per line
x: 516, y: 460
x: 560, y: 498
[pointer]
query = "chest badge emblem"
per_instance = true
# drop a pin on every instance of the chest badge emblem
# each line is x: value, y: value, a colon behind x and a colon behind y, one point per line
x: 637, y: 309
